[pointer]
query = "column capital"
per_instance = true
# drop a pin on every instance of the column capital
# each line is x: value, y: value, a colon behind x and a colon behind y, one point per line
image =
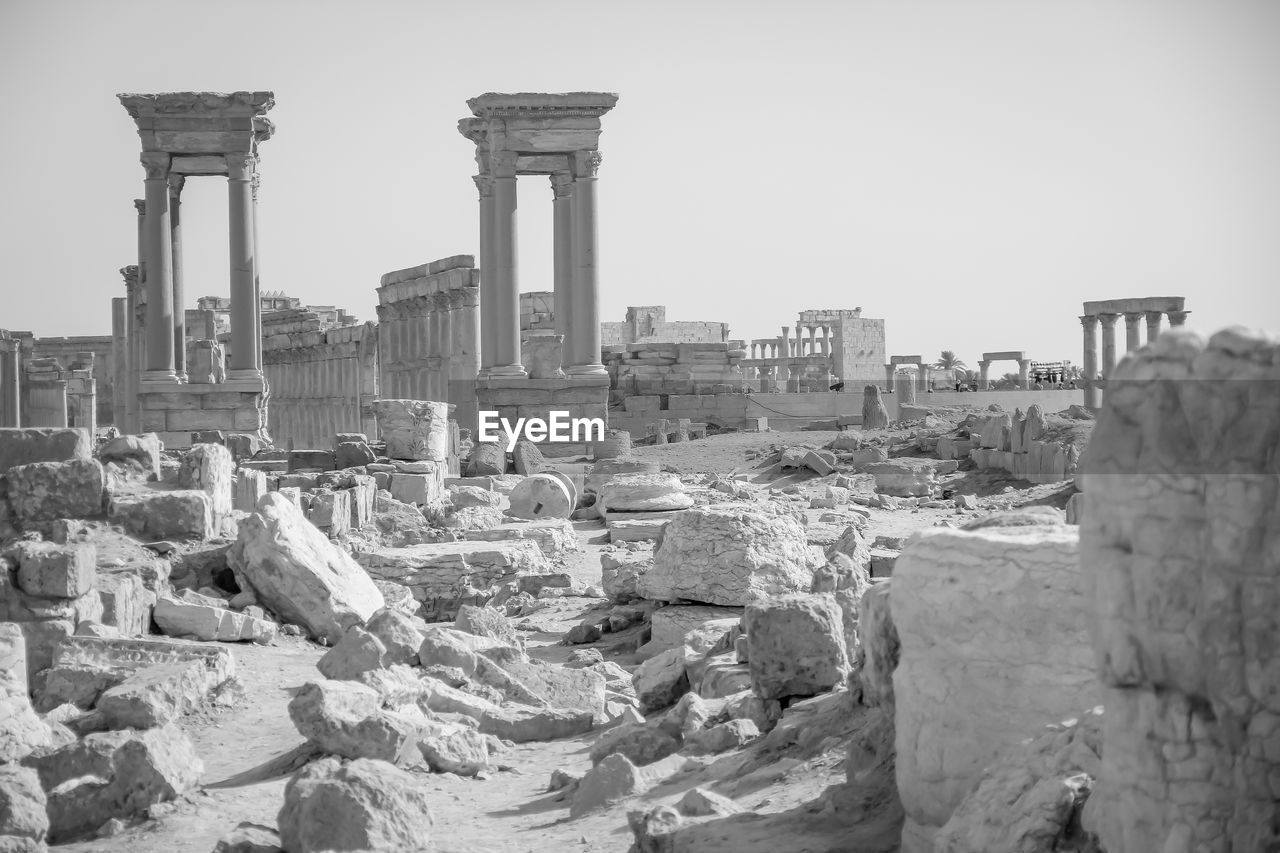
x: 1177, y: 318
x: 502, y: 164
x: 585, y: 164
x: 1133, y: 318
x: 1089, y: 321
x: 484, y: 185
x: 1108, y: 320
x: 155, y: 164
x: 1154, y: 316
x: 130, y: 275
x: 176, y: 183
x: 140, y: 206
x: 240, y: 166
x: 561, y: 184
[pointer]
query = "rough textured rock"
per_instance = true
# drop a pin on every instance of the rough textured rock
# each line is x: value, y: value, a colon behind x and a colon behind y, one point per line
x: 44, y: 491
x: 661, y: 680
x: 640, y: 743
x: 137, y: 451
x: 644, y: 492
x: 22, y: 731
x: 249, y: 838
x: 1181, y: 544
x: 208, y: 468
x: 414, y: 429
x: 23, y: 819
x: 362, y: 805
x: 156, y: 695
x: 182, y: 514
x: 904, y: 478
x: 606, y: 469
x: 353, y: 454
x: 541, y: 496
x: 555, y: 536
x: 874, y: 414
x: 993, y: 626
x: 345, y: 718
x: 487, y: 459
x: 671, y: 625
x: 299, y: 574
x: 56, y: 571
x: 42, y: 444
x: 399, y: 633
x: 730, y: 555
x: 528, y: 458
x: 356, y: 653
x: 878, y: 645
x: 1031, y: 798
x: 620, y: 573
x: 795, y: 646
x: 202, y: 618
x: 113, y: 775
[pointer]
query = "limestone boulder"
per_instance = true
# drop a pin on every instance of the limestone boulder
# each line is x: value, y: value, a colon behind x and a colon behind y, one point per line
x: 644, y: 493
x: 878, y: 646
x: 297, y: 573
x: 606, y: 469
x: 662, y: 679
x: 672, y: 626
x: 331, y: 806
x: 201, y: 618
x: 904, y: 477
x: 528, y: 458
x: 249, y: 837
x: 156, y: 695
x: 353, y: 454
x: 400, y: 634
x: 355, y: 654
x: 50, y: 570
x: 347, y: 719
x: 24, y: 821
x: 993, y: 627
x: 487, y: 459
x: 181, y: 514
x: 620, y: 573
x: 730, y: 555
x: 455, y: 749
x: 138, y: 452
x: 117, y: 774
x: 414, y: 429
x: 473, y: 496
x: 641, y: 744
x: 555, y: 536
x: 795, y: 646
x: 45, y: 491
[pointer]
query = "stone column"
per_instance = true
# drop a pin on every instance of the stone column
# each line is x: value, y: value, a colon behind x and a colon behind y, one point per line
x: 240, y: 217
x: 1108, y: 344
x: 11, y: 381
x: 257, y: 279
x: 488, y: 277
x: 1089, y: 368
x: 785, y: 342
x: 826, y: 340
x: 799, y: 341
x: 983, y: 367
x: 159, y: 281
x: 1132, y: 330
x: 1024, y: 367
x: 505, y: 282
x: 562, y: 259
x: 176, y: 182
x: 1153, y: 324
x: 1177, y: 318
x: 889, y: 370
x: 924, y: 378
x: 119, y: 361
x: 813, y: 343
x: 133, y: 351
x: 766, y: 379
x: 793, y: 379
x: 585, y: 333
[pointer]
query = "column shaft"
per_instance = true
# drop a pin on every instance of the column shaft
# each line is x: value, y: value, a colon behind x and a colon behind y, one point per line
x: 175, y: 238
x: 563, y: 261
x: 1089, y: 367
x: 1132, y: 331
x: 1024, y: 369
x: 488, y: 278
x: 505, y: 288
x: 257, y: 281
x: 159, y: 281
x: 1108, y: 344
x: 1153, y: 324
x: 888, y: 377
x: 585, y: 333
x: 119, y: 370
x: 240, y: 222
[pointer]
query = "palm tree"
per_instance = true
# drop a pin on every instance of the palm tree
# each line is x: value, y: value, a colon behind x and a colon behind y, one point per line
x: 947, y: 361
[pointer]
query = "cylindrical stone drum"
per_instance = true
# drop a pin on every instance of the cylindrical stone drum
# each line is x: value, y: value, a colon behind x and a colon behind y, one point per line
x: 541, y: 496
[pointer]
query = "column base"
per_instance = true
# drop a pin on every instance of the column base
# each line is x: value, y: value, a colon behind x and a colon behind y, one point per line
x: 509, y: 371
x: 483, y: 373
x: 240, y: 373
x: 596, y: 369
x: 160, y: 376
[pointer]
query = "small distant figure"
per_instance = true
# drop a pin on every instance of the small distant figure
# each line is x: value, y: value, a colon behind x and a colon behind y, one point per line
x: 839, y: 386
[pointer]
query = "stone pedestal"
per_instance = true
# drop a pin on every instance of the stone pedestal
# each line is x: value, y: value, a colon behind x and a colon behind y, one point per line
x: 174, y: 411
x: 514, y: 397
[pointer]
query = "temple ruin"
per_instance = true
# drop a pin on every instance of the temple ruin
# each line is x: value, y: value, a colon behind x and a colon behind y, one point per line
x: 1151, y: 308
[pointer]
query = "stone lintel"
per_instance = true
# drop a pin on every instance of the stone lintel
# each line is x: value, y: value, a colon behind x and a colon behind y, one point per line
x: 430, y: 268
x: 245, y: 104
x: 1007, y: 355
x: 1127, y: 306
x: 542, y: 164
x: 199, y: 165
x: 905, y: 359
x: 505, y: 105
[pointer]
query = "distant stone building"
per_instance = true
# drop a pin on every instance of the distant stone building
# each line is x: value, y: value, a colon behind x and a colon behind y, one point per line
x: 648, y: 324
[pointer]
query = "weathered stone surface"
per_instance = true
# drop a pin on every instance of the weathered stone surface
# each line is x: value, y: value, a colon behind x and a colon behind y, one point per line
x: 126, y: 602
x: 640, y: 743
x: 299, y: 574
x: 904, y: 477
x: 795, y: 646
x: 874, y: 414
x: 455, y: 749
x: 644, y: 493
x: 541, y: 496
x: 357, y: 652
x: 331, y: 512
x: 414, y: 429
x: 363, y: 805
x: 1179, y: 546
x: 671, y: 625
x: 56, y: 571
x: 208, y: 468
x: 22, y: 731
x: 556, y: 686
x: 424, y: 489
x: 353, y: 454
x: 156, y: 695
x: 555, y: 536
x: 487, y: 458
x: 701, y: 802
x: 399, y: 633
x: 200, y: 618
x: 1030, y: 799
x: 878, y: 645
x: 732, y: 734
x: 993, y: 626
x: 662, y: 679
x: 180, y: 514
x: 485, y: 622
x: 467, y: 496
x: 113, y: 775
x: 606, y: 469
x: 347, y: 719
x: 44, y: 491
x: 620, y: 573
x: 42, y: 444
x: 612, y: 779
x: 23, y: 818
x: 141, y: 452
x: 249, y: 838
x: 528, y: 458
x: 730, y: 555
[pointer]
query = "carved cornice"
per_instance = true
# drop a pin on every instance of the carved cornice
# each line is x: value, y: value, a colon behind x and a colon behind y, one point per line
x: 156, y: 165
x: 585, y: 164
x: 540, y: 104
x: 240, y: 166
x: 198, y: 103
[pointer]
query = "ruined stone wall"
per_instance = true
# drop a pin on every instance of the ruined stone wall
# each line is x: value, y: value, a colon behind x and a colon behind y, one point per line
x: 858, y: 347
x: 648, y: 324
x: 322, y: 381
x: 994, y: 630
x: 671, y: 368
x: 1181, y: 546
x: 65, y: 351
x: 429, y: 334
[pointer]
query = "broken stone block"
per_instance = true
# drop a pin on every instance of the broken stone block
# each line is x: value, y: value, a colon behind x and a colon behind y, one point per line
x: 75, y: 685
x: 700, y: 802
x: 353, y: 454
x: 332, y: 806
x: 24, y: 820
x: 795, y: 646
x: 425, y: 490
x: 641, y: 744
x: 615, y: 779
x: 42, y: 639
x: 555, y: 686
x: 249, y: 838
x: 620, y: 573
x: 42, y: 444
x: 356, y: 653
x: 486, y: 622
x: 56, y: 571
x: 457, y: 750
x: 400, y: 634
x: 522, y: 724
x: 299, y: 574
x: 197, y: 617
x: 820, y: 463
x: 644, y: 493
x: 555, y: 536
x: 730, y: 555
x: 115, y: 774
x: 45, y: 491
x: 487, y: 459
x: 528, y: 458
x: 347, y: 719
x: 22, y: 731
x: 137, y: 452
x: 661, y: 680
x: 414, y: 429
x: 874, y: 414
x: 186, y: 514
x: 311, y: 460
x: 541, y: 496
x: 363, y: 492
x: 155, y: 695
x: 467, y: 496
x: 672, y: 625
x: 905, y: 477
x: 208, y: 468
x: 331, y: 512
x: 733, y: 734
x: 250, y: 486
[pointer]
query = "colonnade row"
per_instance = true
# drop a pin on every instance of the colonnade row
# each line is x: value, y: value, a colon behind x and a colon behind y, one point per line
x: 575, y: 275
x: 769, y: 376
x: 787, y: 347
x: 161, y: 268
x: 1133, y: 321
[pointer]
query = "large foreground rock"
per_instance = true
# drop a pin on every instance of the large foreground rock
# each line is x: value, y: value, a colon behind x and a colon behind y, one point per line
x: 362, y: 805
x: 23, y: 817
x: 298, y: 573
x: 994, y: 633
x: 113, y: 775
x: 1180, y: 542
x: 730, y: 555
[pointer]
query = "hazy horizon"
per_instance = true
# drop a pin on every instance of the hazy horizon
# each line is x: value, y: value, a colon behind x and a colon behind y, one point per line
x: 970, y: 172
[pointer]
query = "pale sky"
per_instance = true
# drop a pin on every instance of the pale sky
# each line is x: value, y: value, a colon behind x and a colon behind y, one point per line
x: 969, y: 171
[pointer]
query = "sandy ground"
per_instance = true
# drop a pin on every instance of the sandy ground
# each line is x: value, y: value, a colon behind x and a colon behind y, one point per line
x: 249, y: 747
